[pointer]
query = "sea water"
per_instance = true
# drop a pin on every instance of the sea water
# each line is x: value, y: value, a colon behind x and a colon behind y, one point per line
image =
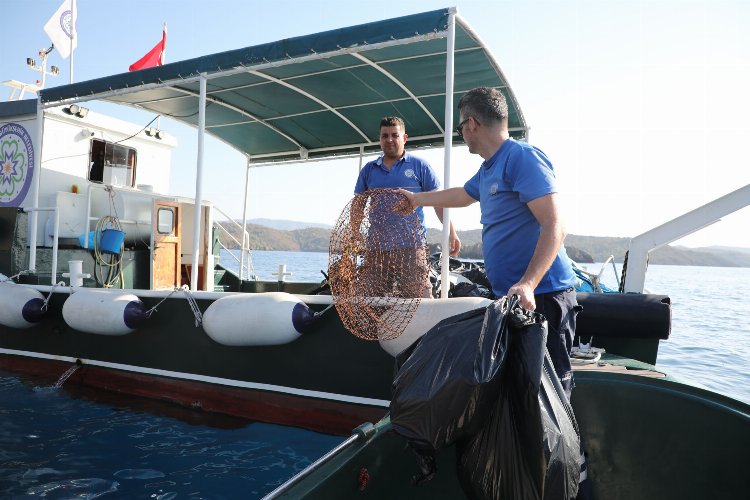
x: 79, y: 443
x: 82, y: 443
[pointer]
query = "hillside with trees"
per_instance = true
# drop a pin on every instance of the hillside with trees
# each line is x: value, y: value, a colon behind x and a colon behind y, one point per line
x: 580, y: 248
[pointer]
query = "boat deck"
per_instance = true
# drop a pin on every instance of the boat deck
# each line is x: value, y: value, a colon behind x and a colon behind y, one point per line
x: 615, y: 364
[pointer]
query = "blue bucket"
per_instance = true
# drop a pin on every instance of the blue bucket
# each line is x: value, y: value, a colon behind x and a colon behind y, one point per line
x: 112, y: 240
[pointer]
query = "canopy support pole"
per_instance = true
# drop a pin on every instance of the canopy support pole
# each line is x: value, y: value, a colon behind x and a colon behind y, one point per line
x: 449, y: 57
x: 36, y: 183
x: 198, y: 185
x: 245, y: 243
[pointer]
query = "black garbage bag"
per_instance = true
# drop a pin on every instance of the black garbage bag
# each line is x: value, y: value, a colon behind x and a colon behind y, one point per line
x: 477, y: 275
x: 447, y: 387
x: 466, y: 289
x: 529, y: 448
x: 562, y: 438
x: 446, y: 383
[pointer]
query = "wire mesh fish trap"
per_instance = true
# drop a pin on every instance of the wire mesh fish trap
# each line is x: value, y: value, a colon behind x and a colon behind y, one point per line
x: 377, y: 265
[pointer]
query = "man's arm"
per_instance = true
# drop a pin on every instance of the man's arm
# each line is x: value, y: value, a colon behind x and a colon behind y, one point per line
x: 453, y: 241
x: 551, y: 238
x: 446, y: 198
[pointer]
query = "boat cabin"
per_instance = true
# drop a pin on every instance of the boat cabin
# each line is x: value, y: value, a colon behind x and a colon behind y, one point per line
x: 98, y: 173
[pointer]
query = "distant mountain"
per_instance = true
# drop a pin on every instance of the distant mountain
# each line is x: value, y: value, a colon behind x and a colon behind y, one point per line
x: 312, y: 237
x: 600, y: 248
x: 730, y: 249
x: 287, y: 225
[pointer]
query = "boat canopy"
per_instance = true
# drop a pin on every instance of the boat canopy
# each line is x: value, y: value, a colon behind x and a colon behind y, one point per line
x: 318, y: 95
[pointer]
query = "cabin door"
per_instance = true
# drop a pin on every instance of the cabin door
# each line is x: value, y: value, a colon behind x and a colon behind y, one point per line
x: 166, y: 255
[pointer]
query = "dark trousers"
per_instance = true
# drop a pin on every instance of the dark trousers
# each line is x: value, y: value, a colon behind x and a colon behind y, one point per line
x: 560, y: 309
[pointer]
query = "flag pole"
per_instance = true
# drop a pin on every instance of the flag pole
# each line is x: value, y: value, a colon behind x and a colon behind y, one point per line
x: 164, y: 48
x: 163, y: 57
x: 72, y: 34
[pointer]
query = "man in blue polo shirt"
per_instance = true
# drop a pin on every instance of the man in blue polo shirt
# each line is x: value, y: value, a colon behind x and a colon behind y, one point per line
x: 398, y: 169
x: 522, y: 230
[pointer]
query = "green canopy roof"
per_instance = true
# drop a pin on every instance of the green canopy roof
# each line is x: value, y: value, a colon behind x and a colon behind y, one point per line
x: 316, y: 95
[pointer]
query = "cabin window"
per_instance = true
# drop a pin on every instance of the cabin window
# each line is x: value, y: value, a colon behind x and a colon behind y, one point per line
x: 112, y: 164
x: 165, y: 221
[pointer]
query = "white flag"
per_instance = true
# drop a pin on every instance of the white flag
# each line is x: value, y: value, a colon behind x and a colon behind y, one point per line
x: 60, y: 28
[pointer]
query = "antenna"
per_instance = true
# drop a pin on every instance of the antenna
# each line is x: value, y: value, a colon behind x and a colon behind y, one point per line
x: 44, y: 54
x: 20, y: 88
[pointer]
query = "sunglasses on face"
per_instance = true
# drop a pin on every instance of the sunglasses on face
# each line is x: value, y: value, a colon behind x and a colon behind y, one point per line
x: 460, y: 126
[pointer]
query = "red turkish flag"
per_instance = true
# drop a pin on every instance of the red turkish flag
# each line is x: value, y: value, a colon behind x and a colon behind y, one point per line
x: 155, y: 56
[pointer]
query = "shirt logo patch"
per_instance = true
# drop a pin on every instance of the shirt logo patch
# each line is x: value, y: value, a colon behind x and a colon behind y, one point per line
x: 409, y: 173
x: 493, y: 188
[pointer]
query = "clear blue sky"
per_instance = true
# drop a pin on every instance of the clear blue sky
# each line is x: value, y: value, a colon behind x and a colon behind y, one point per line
x: 642, y: 105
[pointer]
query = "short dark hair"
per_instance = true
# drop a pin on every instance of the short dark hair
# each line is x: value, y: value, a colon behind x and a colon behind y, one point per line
x: 392, y: 121
x: 486, y: 104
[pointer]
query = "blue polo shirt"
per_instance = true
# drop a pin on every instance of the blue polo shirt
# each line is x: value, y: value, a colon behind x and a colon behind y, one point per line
x: 516, y: 174
x: 411, y: 173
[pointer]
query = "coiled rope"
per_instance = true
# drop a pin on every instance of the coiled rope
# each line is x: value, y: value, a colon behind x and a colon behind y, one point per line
x: 108, y: 269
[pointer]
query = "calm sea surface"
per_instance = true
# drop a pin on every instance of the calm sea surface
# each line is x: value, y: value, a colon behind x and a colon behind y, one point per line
x: 71, y: 443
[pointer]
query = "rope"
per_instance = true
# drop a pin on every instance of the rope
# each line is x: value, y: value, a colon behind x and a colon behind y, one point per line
x: 585, y: 354
x: 52, y: 290
x: 621, y: 288
x: 191, y: 301
x: 193, y: 306
x: 585, y: 359
x: 625, y: 270
x: 614, y: 268
x: 320, y: 313
x: 13, y: 278
x: 154, y: 309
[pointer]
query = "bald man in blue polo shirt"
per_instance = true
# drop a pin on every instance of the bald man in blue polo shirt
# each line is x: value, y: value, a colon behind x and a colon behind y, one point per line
x: 398, y: 169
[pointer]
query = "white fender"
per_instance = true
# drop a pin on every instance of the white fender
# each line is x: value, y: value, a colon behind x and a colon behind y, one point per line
x: 20, y: 306
x: 254, y: 319
x: 429, y: 313
x: 103, y: 311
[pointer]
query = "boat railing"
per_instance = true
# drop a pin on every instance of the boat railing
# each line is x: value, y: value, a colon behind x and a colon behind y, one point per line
x: 18, y: 89
x: 634, y: 272
x: 596, y: 278
x: 148, y: 194
x: 244, y: 247
x: 111, y: 189
x: 55, y: 238
x: 361, y: 433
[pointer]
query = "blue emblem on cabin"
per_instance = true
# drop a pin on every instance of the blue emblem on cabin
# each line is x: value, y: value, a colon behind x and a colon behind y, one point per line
x: 16, y: 164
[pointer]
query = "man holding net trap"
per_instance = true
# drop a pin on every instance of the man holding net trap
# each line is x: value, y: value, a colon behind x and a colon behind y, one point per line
x: 392, y: 244
x: 522, y: 233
